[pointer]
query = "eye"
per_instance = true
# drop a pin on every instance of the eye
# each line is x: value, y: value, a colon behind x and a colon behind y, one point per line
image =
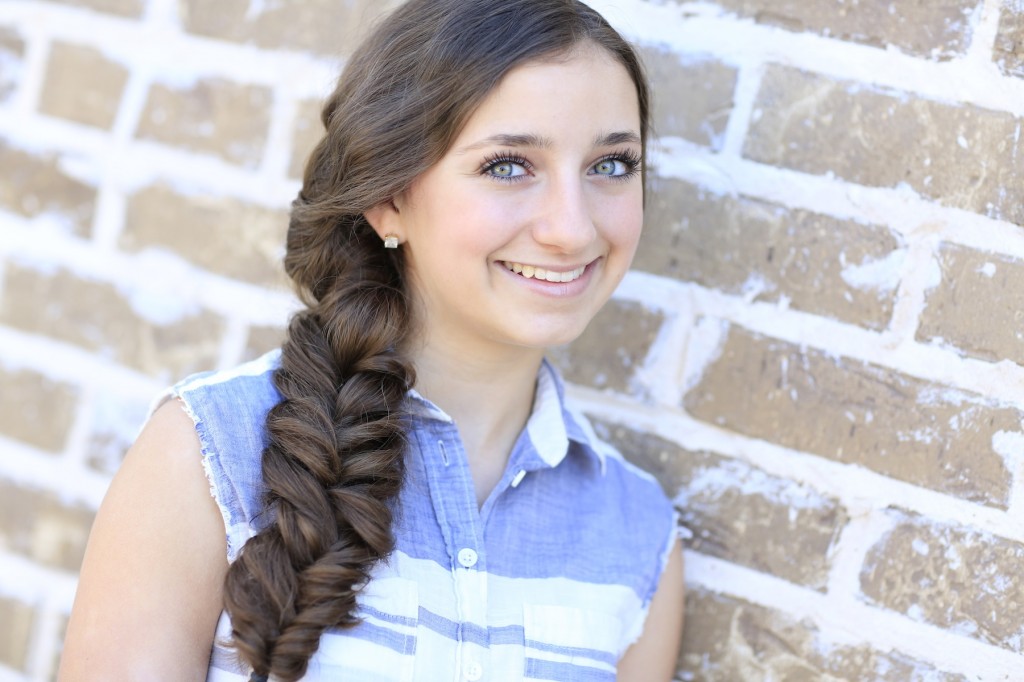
x: 506, y: 167
x: 610, y: 167
x: 620, y: 166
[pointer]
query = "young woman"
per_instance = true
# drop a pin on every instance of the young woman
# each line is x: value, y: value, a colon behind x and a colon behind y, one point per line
x: 401, y: 492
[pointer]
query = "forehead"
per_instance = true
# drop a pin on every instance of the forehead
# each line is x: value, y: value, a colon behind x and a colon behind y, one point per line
x: 586, y: 93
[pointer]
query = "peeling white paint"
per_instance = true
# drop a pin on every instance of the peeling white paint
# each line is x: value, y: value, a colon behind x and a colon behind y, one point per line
x: 735, y: 476
x: 706, y: 343
x: 882, y: 274
x: 988, y: 269
x: 1010, y: 445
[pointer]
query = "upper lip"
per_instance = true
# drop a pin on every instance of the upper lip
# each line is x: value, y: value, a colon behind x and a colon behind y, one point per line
x: 549, y: 268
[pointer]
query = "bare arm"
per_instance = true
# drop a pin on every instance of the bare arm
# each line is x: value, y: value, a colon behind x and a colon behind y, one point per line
x: 149, y: 594
x: 653, y: 657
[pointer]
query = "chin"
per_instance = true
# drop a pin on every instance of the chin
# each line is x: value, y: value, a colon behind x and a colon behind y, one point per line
x: 553, y: 338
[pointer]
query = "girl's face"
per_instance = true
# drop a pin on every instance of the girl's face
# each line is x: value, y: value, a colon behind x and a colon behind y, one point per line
x: 524, y: 228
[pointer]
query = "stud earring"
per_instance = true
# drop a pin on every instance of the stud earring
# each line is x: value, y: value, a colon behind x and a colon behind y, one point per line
x: 391, y: 241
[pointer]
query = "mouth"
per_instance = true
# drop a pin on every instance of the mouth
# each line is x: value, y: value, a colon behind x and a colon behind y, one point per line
x: 534, y: 272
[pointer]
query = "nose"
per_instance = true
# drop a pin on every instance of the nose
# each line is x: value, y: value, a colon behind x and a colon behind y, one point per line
x: 566, y: 220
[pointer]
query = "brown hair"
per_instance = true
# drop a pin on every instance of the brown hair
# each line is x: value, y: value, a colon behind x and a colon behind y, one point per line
x: 333, y: 464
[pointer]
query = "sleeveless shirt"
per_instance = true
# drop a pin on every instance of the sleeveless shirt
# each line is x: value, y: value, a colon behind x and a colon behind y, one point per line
x: 549, y: 580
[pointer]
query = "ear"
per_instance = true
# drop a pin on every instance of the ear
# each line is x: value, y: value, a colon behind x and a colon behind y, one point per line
x: 385, y: 219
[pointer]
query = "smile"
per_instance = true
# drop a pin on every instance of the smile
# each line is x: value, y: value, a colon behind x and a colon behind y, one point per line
x: 533, y: 272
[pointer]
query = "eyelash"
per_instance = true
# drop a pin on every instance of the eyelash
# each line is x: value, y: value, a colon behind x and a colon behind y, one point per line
x: 633, y: 161
x: 504, y: 157
x: 630, y: 158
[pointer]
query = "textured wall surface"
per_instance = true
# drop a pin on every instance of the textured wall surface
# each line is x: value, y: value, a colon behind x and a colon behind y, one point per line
x: 820, y: 351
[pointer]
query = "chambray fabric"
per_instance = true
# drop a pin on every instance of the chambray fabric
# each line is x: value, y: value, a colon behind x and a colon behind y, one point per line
x: 549, y: 580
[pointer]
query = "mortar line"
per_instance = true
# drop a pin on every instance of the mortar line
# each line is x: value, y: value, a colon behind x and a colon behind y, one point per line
x: 898, y: 208
x: 749, y: 78
x: 76, y: 443
x: 1001, y: 382
x: 856, y: 623
x: 852, y: 485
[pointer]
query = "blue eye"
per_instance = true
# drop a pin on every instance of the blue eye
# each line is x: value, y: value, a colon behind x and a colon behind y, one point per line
x: 620, y: 166
x: 610, y: 167
x: 506, y: 167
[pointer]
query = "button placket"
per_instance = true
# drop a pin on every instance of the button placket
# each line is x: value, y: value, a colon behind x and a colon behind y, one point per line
x: 454, y: 501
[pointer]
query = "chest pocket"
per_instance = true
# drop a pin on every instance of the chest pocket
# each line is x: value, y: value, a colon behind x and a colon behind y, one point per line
x: 566, y: 643
x: 382, y: 646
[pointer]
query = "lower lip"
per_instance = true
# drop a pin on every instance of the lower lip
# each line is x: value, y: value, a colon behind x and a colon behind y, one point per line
x: 554, y: 289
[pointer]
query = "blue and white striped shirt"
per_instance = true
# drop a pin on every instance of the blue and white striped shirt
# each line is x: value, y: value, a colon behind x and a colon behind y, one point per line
x: 549, y: 580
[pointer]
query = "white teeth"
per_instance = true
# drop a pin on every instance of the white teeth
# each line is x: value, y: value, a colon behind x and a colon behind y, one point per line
x: 533, y: 272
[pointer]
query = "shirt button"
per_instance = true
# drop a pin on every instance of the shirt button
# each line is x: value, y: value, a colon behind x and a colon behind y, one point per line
x: 467, y: 557
x: 474, y: 671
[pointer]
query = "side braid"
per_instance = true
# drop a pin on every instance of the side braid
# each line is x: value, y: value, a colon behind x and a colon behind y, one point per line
x: 333, y: 462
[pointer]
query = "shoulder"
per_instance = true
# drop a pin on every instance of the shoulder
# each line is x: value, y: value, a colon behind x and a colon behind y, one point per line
x: 632, y: 513
x: 228, y: 411
x: 592, y: 446
x: 159, y: 601
x: 244, y: 390
x: 618, y: 473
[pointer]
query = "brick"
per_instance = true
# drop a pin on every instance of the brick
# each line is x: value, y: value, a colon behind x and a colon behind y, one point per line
x: 976, y: 306
x: 16, y: 622
x: 962, y: 156
x: 34, y: 186
x: 815, y: 263
x: 12, y: 62
x: 36, y: 524
x: 124, y: 8
x: 222, y: 235
x: 728, y: 639
x: 852, y: 412
x: 82, y: 85
x: 214, y: 116
x: 307, y: 132
x: 35, y: 409
x: 693, y: 97
x: 615, y: 344
x: 150, y: 333
x: 116, y: 421
x: 939, y: 29
x: 738, y: 512
x: 1008, y: 52
x: 957, y: 578
x: 262, y: 340
x: 324, y: 27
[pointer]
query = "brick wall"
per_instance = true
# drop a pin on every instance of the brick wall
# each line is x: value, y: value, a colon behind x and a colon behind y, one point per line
x: 820, y: 351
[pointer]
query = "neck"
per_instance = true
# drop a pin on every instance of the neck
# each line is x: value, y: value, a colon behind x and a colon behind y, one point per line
x: 475, y: 390
x: 489, y: 397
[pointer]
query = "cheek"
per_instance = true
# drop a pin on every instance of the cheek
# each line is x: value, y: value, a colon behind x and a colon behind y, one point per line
x: 624, y: 222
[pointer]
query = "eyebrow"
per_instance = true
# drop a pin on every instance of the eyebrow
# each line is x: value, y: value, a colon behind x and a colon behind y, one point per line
x: 612, y: 139
x: 537, y: 141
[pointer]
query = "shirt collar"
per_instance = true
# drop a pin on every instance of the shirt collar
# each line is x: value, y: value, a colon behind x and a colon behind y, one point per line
x: 552, y: 424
